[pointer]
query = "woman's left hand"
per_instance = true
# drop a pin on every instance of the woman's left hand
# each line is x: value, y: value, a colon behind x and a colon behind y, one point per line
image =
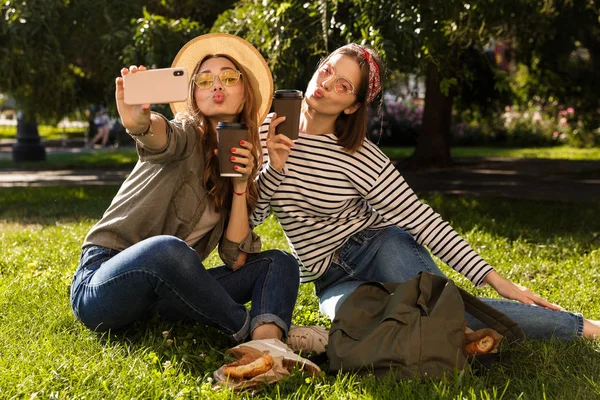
x: 512, y: 291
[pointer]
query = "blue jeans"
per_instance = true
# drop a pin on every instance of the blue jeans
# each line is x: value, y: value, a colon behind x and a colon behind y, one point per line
x: 162, y: 275
x: 392, y: 255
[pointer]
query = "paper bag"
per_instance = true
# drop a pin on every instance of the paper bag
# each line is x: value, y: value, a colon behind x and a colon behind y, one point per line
x: 284, y: 362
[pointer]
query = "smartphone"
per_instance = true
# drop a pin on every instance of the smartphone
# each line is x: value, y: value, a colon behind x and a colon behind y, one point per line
x: 156, y: 86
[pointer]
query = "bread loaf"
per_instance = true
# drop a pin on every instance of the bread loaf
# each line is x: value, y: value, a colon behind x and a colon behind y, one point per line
x: 249, y: 366
x: 481, y: 346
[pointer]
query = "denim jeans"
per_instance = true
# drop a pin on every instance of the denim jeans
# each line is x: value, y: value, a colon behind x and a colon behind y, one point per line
x: 392, y: 255
x: 112, y: 289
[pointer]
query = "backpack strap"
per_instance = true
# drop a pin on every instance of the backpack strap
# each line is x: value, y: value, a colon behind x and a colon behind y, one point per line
x: 493, y: 318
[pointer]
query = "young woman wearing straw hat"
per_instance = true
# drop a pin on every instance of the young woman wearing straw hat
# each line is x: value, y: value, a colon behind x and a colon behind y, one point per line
x: 145, y: 255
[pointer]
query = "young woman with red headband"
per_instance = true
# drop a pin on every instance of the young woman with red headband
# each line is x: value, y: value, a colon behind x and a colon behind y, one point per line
x: 349, y: 216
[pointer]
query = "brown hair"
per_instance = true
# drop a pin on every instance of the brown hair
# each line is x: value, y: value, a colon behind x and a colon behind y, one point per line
x: 351, y: 129
x: 220, y: 190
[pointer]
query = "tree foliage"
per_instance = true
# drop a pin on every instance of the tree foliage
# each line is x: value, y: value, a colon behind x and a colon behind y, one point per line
x: 560, y: 60
x: 59, y: 55
x: 287, y: 33
x: 32, y: 58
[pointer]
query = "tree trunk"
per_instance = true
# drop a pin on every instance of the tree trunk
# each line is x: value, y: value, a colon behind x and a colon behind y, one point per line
x: 433, y: 143
x: 28, y: 146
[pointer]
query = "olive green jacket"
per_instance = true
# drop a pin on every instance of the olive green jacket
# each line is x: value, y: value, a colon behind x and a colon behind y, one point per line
x: 164, y: 195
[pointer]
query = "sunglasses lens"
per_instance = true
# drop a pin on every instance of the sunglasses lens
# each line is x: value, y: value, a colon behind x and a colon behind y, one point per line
x: 326, y: 71
x: 229, y: 77
x: 343, y: 86
x: 204, y: 81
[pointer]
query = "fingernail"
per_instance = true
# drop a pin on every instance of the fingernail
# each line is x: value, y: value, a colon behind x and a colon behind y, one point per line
x: 233, y: 149
x: 232, y: 158
x: 235, y: 167
x: 242, y: 142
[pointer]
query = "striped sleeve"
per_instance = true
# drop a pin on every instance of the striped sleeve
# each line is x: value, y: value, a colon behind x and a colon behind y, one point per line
x: 395, y: 201
x: 267, y: 180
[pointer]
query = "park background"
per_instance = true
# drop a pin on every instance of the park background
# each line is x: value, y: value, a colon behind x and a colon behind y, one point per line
x: 468, y: 84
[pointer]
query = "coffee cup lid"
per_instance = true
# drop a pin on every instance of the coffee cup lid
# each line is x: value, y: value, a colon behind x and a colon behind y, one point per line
x: 232, y: 125
x: 288, y: 94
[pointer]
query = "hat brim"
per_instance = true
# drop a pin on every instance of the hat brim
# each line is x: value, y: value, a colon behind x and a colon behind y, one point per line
x: 255, y: 66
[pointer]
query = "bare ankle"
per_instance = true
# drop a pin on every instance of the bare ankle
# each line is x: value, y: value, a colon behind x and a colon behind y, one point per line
x: 591, y: 329
x: 267, y: 331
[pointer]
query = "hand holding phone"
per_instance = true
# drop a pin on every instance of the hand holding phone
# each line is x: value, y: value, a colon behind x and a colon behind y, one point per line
x: 156, y: 86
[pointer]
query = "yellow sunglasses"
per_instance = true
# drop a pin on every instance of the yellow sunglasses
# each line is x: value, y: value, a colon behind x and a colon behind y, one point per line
x: 228, y: 77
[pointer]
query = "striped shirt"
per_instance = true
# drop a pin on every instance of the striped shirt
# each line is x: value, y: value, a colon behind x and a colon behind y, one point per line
x: 325, y: 195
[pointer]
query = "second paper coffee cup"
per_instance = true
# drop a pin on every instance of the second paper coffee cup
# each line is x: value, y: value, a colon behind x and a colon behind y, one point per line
x: 229, y: 135
x: 287, y: 103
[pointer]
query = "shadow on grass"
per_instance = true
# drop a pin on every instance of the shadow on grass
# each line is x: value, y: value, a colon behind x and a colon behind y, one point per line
x: 537, y: 222
x: 187, y: 346
x: 48, y: 205
x: 540, y: 369
x: 534, y: 179
x: 197, y: 348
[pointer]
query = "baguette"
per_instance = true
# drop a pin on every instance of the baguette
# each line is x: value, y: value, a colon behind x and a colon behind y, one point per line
x: 249, y: 366
x: 481, y: 346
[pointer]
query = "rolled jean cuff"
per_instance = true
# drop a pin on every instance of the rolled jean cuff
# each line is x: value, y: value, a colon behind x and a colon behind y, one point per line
x: 580, y: 322
x: 243, y: 333
x: 269, y: 319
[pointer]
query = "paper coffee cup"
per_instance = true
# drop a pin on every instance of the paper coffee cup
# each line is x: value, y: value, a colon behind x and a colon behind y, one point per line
x: 229, y: 134
x: 287, y: 103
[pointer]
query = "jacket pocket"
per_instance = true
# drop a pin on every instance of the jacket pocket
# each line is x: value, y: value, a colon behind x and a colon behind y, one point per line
x: 188, y: 199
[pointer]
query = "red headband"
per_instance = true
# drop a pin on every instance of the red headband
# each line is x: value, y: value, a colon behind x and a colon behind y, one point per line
x: 374, y: 78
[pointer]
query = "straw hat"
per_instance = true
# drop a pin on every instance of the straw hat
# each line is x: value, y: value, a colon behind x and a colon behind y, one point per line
x: 255, y: 66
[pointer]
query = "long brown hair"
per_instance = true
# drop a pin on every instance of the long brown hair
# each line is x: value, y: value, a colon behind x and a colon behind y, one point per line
x: 220, y: 190
x: 351, y: 129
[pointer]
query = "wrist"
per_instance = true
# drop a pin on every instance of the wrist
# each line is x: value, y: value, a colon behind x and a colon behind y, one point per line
x: 240, y: 190
x: 141, y: 131
x: 277, y: 168
x: 492, y: 278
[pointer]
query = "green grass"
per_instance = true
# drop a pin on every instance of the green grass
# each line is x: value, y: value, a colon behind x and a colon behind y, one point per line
x: 46, y: 132
x: 126, y: 157
x: 553, y: 248
x: 560, y: 152
x: 103, y: 159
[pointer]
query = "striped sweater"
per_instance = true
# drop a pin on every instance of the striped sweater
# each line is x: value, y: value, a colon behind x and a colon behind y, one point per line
x: 325, y: 195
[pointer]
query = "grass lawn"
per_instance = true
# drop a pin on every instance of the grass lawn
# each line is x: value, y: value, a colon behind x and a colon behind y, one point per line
x: 553, y: 248
x: 47, y: 132
x: 113, y: 159
x: 559, y: 152
x: 126, y: 157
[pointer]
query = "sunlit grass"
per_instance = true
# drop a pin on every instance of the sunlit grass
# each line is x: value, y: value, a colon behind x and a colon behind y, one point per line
x: 553, y: 248
x: 127, y: 157
x: 109, y: 159
x: 46, y: 132
x: 560, y: 152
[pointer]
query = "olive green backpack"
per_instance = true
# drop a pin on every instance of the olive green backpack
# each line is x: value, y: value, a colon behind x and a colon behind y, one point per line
x: 412, y: 329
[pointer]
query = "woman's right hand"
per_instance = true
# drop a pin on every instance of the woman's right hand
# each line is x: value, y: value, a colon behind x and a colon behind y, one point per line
x: 135, y: 118
x: 512, y: 291
x: 278, y: 145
